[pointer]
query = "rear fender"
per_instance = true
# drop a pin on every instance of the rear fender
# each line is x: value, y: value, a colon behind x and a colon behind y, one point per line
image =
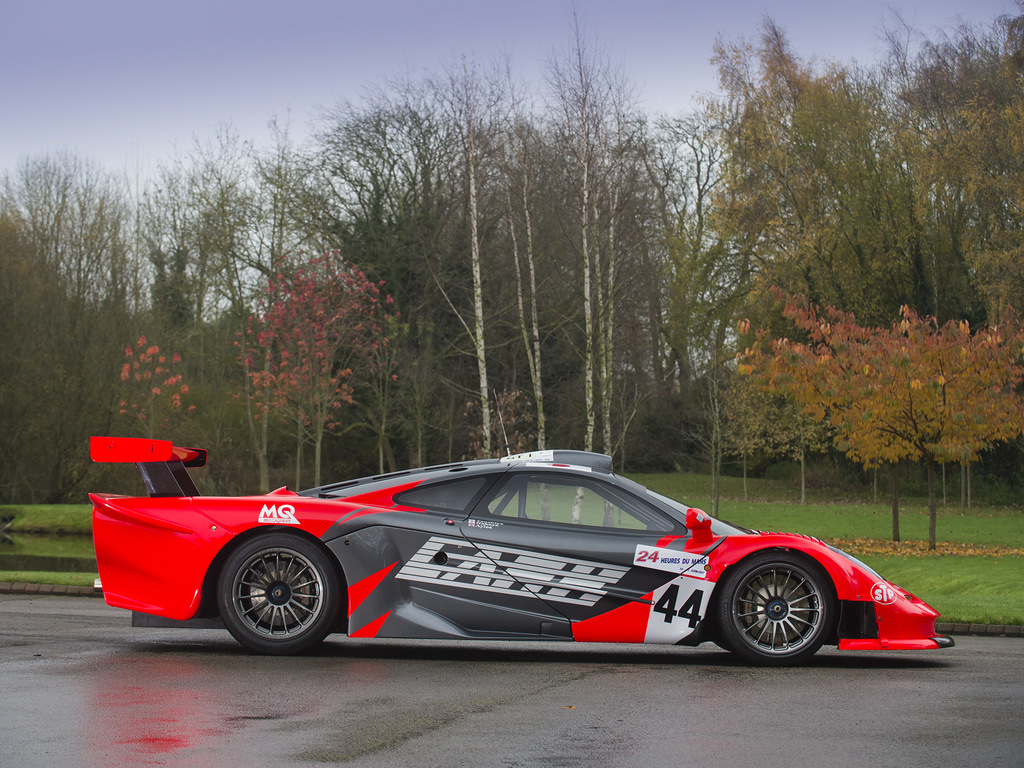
x: 208, y: 606
x: 153, y: 553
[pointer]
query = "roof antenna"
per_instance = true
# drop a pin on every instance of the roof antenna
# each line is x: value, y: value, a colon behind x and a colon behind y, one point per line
x: 497, y: 407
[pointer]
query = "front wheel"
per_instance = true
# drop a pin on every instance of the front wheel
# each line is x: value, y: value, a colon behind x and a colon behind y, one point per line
x: 776, y: 609
x: 278, y: 593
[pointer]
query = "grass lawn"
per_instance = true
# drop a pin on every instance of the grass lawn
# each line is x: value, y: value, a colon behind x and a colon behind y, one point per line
x: 984, y: 527
x: 49, y: 518
x: 965, y: 590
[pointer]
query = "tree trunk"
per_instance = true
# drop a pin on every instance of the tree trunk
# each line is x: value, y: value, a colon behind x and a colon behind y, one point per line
x: 299, y: 440
x: 715, y: 417
x: 931, y: 504
x: 943, y: 485
x: 895, y: 475
x: 530, y: 329
x: 389, y: 455
x: 316, y: 457
x: 803, y: 475
x: 588, y: 314
x: 606, y: 311
x: 478, y: 298
x: 963, y: 487
x: 258, y: 433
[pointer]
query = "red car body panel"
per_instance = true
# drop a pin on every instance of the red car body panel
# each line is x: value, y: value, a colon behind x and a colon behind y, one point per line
x: 153, y: 553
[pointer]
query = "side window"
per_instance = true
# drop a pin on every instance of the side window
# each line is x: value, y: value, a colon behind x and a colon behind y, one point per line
x: 510, y: 501
x: 573, y: 501
x: 453, y: 496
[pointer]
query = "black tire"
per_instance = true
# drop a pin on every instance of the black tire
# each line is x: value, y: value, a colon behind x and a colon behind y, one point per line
x: 278, y: 593
x: 776, y: 609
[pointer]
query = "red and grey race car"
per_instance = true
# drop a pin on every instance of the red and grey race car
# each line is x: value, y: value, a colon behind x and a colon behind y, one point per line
x: 549, y: 545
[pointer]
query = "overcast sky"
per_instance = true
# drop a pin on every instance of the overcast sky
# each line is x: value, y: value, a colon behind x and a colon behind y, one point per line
x: 125, y: 81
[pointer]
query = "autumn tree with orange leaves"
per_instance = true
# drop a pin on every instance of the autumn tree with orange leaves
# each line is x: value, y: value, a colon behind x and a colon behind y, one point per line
x: 916, y: 390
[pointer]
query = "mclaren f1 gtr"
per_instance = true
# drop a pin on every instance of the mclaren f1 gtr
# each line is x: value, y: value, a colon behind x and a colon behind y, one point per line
x: 549, y: 545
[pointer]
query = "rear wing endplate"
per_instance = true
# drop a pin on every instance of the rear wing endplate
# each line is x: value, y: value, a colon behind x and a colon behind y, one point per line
x: 161, y: 464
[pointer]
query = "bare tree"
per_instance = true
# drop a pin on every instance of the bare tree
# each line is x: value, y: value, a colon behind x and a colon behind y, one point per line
x: 385, y: 166
x: 518, y: 165
x: 593, y: 106
x: 67, y: 298
x: 468, y: 103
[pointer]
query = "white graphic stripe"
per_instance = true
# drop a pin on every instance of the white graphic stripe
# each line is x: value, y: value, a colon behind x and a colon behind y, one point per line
x: 548, y: 577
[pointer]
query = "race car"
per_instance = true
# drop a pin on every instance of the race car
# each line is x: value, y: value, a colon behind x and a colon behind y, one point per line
x: 548, y: 545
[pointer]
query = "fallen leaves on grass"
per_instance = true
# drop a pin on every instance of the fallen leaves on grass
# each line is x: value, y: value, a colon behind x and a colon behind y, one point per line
x: 920, y: 548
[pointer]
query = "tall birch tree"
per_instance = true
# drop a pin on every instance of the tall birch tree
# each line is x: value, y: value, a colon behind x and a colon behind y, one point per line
x: 518, y: 164
x: 597, y: 127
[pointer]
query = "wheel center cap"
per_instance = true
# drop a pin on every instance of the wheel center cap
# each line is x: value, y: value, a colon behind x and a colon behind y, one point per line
x: 279, y: 594
x: 777, y: 609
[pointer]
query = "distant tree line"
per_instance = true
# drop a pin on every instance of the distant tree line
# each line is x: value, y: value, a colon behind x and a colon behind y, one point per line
x: 463, y: 261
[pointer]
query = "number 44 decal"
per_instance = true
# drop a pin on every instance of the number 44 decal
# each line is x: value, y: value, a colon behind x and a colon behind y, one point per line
x: 690, y: 609
x: 678, y: 609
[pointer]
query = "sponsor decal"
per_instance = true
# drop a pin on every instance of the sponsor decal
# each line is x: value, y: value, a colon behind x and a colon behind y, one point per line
x: 700, y: 516
x: 883, y: 593
x: 278, y: 514
x: 671, y: 560
x: 510, y: 571
x: 485, y: 524
x: 539, y: 457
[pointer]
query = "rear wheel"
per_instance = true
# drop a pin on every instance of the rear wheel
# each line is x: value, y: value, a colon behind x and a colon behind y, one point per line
x: 278, y: 593
x: 776, y: 609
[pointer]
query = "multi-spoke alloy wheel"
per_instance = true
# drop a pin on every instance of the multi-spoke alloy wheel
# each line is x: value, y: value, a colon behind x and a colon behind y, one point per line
x: 278, y: 594
x: 775, y: 609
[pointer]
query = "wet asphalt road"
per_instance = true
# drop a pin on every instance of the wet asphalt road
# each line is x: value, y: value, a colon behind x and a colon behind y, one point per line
x: 80, y: 687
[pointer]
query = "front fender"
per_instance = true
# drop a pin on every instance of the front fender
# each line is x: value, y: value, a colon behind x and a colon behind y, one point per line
x: 850, y: 581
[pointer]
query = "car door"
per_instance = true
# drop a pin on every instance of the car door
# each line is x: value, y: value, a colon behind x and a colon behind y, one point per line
x: 610, y: 562
x: 442, y: 585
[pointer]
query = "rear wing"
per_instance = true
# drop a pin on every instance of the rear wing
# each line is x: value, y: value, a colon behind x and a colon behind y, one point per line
x: 162, y: 465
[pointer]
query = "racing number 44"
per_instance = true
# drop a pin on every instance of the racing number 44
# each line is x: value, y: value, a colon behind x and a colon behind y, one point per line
x: 690, y: 609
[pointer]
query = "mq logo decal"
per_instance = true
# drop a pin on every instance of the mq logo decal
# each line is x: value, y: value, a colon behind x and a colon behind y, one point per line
x: 283, y: 514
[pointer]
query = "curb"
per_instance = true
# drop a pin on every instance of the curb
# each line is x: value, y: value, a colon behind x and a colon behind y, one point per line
x: 22, y: 588
x: 989, y: 630
x: 943, y: 628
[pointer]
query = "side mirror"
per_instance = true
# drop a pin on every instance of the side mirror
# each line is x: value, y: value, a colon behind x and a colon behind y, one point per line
x: 698, y: 523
